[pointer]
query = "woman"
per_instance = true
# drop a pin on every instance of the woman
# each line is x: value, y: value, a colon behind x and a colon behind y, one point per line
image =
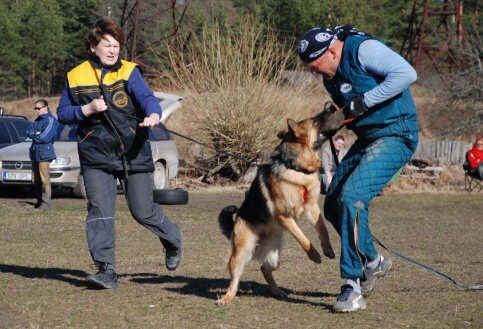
x: 107, y: 97
x: 475, y: 158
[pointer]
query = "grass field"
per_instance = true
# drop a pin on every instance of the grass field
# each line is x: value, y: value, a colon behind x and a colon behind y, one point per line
x: 44, y: 261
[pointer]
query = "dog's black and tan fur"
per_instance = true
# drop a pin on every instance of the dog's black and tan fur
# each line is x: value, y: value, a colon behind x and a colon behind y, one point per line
x: 284, y: 191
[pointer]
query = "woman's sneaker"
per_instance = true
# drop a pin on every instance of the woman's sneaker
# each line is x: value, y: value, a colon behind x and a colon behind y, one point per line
x: 174, y: 257
x: 349, y: 300
x: 372, y: 275
x: 105, y: 278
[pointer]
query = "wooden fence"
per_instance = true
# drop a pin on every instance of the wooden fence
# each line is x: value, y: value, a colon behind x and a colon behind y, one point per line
x: 442, y: 153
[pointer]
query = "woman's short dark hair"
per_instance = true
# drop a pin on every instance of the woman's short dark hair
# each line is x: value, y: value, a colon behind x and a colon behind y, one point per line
x: 102, y: 27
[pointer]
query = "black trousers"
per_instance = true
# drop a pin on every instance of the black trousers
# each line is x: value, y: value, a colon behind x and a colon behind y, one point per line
x: 101, y: 190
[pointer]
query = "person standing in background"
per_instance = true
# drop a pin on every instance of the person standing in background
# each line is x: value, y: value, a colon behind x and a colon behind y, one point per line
x: 42, y: 132
x: 329, y: 165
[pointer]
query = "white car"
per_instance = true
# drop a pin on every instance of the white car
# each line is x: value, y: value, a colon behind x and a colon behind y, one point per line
x: 16, y: 168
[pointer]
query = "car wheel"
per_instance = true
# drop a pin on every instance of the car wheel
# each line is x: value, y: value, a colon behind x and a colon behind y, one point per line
x: 170, y: 196
x: 160, y: 176
x: 79, y: 190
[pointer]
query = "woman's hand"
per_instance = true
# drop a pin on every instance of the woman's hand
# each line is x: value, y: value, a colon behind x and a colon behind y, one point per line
x: 150, y: 121
x: 96, y: 106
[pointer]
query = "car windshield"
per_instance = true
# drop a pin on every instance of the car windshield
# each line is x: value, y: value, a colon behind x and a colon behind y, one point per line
x: 67, y: 133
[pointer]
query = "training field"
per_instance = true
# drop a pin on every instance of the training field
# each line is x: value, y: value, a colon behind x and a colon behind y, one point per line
x: 44, y: 260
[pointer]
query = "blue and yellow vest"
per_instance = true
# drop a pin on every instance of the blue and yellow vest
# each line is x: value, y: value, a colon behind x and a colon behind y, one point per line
x: 98, y: 144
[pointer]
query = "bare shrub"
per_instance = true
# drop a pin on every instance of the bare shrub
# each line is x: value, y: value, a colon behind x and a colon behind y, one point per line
x: 239, y: 93
x: 457, y: 107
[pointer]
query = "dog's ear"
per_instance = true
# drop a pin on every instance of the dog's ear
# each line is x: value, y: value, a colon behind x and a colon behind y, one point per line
x: 293, y: 127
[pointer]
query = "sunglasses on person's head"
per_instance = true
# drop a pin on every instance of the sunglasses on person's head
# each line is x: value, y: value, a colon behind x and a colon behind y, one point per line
x: 38, y: 108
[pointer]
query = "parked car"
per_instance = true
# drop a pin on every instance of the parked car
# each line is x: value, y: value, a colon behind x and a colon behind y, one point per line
x: 16, y: 168
x: 13, y: 129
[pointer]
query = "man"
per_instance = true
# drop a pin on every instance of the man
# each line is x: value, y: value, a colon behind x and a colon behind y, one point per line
x: 369, y: 84
x: 328, y: 161
x: 42, y: 132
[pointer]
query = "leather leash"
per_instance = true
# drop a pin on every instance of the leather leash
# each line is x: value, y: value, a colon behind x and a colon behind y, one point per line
x: 429, y: 269
x: 193, y: 140
x: 406, y: 259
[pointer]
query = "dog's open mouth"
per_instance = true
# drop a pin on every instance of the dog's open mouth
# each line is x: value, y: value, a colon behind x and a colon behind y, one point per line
x: 329, y: 123
x: 321, y: 139
x: 321, y: 119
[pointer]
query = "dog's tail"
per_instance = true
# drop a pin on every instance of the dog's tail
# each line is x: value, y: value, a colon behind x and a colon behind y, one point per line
x: 226, y: 221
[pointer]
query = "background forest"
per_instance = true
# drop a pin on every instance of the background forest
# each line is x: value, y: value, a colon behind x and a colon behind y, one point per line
x: 235, y: 61
x: 43, y: 40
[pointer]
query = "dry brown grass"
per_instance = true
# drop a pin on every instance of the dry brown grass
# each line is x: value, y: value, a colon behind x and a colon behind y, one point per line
x: 25, y: 107
x: 44, y: 261
x: 237, y: 95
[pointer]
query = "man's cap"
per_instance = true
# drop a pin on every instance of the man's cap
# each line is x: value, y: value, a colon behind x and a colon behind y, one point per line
x: 315, y: 43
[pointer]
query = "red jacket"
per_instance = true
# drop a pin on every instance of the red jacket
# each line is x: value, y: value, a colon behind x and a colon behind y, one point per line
x: 475, y: 157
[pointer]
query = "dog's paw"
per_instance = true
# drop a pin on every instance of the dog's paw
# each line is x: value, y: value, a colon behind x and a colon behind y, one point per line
x: 223, y: 301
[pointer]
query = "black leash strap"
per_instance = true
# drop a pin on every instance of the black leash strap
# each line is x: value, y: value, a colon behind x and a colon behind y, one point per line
x: 193, y: 140
x: 121, y: 144
x: 334, y: 152
x: 113, y: 127
x: 429, y: 269
x: 332, y: 147
x: 330, y: 135
x: 211, y: 147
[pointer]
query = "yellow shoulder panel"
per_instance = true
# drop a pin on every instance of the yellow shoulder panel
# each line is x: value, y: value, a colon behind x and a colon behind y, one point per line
x: 83, y: 75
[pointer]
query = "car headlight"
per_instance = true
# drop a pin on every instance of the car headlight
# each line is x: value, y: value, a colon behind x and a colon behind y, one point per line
x: 60, y: 162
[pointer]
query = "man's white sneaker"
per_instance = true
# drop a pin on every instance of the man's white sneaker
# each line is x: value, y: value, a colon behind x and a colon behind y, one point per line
x: 349, y: 300
x: 372, y: 275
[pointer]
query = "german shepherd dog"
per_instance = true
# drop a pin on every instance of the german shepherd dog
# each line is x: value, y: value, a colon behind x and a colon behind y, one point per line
x: 283, y: 191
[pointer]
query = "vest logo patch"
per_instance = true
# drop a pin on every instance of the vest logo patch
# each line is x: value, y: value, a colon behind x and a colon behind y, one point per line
x: 120, y: 99
x: 345, y: 88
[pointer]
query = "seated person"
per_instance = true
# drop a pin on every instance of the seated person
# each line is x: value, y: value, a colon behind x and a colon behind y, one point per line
x: 475, y: 158
x: 328, y: 166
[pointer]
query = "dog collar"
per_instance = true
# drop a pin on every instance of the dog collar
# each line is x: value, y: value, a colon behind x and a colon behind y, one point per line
x: 302, y: 170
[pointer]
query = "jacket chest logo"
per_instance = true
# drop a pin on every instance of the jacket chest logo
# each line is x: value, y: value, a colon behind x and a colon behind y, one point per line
x: 345, y: 88
x: 120, y: 99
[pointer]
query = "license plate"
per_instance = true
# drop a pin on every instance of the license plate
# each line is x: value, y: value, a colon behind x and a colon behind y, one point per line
x: 16, y: 176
